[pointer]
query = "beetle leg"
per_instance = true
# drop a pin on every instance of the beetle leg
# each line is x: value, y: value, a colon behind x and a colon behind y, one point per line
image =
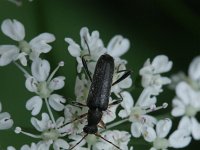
x: 119, y: 100
x: 98, y: 135
x: 124, y: 76
x: 77, y: 104
x: 79, y: 141
x: 102, y: 124
x: 86, y: 67
x: 78, y: 118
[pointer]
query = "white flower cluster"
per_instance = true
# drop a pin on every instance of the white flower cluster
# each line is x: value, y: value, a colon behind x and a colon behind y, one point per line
x: 186, y: 104
x: 66, y: 131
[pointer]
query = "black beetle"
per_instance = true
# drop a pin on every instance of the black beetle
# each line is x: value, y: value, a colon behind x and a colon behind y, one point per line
x: 99, y: 93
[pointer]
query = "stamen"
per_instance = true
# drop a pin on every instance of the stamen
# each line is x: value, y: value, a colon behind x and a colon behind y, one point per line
x: 60, y: 64
x: 18, y: 130
x: 154, y: 108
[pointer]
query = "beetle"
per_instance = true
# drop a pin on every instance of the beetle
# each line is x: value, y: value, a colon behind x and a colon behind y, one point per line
x: 99, y: 93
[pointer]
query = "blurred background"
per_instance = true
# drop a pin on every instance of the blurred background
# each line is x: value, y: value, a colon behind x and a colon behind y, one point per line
x: 170, y: 27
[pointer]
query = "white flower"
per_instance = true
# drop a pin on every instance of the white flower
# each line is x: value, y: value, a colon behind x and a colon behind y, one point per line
x: 5, y: 120
x: 151, y: 72
x: 50, y: 134
x: 119, y: 138
x: 43, y: 85
x: 15, y: 30
x: 187, y: 104
x: 177, y: 139
x: 138, y: 113
x: 93, y: 42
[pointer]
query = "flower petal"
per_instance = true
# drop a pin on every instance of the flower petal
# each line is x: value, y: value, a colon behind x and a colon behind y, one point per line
x: 43, y: 124
x: 57, y: 83
x: 178, y: 107
x: 179, y: 139
x: 34, y: 104
x: 127, y: 104
x: 31, y: 84
x: 136, y: 129
x: 195, y: 129
x: 184, y: 92
x: 73, y: 48
x: 8, y: 53
x: 161, y: 64
x: 5, y: 121
x: 118, y: 46
x: 13, y: 29
x: 56, y: 102
x: 194, y: 69
x: 185, y: 123
x: 40, y: 69
x: 40, y: 43
x: 60, y: 144
x: 149, y: 133
x: 163, y: 127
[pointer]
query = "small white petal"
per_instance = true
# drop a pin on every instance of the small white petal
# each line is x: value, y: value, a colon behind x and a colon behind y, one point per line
x: 185, y: 123
x: 179, y: 139
x: 40, y: 69
x: 60, y: 144
x: 147, y: 97
x: 57, y: 83
x: 194, y: 69
x: 184, y: 92
x: 179, y: 108
x: 13, y: 29
x: 126, y: 83
x: 5, y: 121
x: 40, y: 43
x: 127, y: 104
x: 56, y: 102
x: 118, y: 46
x: 22, y: 58
x: 43, y: 124
x: 31, y: 84
x: 136, y: 129
x: 149, y: 134
x: 161, y: 64
x: 195, y: 129
x: 10, y: 148
x: 73, y: 48
x: 163, y: 127
x: 8, y: 53
x: 34, y: 104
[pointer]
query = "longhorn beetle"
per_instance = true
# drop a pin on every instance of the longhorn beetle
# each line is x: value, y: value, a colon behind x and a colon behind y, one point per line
x: 99, y: 93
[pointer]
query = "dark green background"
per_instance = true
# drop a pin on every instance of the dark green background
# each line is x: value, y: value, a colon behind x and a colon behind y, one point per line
x: 170, y: 27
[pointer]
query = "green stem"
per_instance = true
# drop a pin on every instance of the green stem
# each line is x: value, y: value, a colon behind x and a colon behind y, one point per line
x: 50, y: 112
x: 22, y: 69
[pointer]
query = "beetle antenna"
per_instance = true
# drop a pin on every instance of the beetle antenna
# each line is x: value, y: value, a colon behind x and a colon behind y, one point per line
x: 98, y: 135
x: 78, y: 118
x: 87, y: 45
x: 79, y: 142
